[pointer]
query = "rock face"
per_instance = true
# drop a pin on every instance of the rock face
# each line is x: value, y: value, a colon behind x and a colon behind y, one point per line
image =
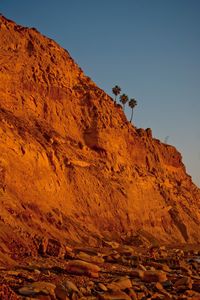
x: 71, y: 166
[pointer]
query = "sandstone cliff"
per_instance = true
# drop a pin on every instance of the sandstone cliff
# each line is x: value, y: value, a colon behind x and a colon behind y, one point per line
x: 71, y: 166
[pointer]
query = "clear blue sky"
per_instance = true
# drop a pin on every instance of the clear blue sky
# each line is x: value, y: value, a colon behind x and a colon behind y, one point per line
x: 150, y: 48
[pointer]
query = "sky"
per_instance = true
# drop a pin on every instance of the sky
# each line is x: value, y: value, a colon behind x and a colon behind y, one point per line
x: 150, y: 48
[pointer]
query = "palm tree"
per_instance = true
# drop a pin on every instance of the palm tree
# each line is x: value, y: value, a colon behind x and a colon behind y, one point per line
x: 116, y: 91
x: 132, y: 103
x: 123, y: 99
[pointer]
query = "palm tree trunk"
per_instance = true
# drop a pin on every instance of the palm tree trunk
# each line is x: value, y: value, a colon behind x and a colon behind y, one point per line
x: 131, y: 116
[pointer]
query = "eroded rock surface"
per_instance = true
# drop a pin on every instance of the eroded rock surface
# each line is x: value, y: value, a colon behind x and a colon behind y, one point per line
x: 72, y: 168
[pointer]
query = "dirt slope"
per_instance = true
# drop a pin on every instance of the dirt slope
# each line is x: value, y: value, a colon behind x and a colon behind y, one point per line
x: 71, y: 166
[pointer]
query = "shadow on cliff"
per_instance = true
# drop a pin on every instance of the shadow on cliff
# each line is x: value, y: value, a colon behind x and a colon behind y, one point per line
x: 91, y: 132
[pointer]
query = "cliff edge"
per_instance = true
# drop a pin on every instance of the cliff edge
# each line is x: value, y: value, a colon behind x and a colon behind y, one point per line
x: 71, y: 166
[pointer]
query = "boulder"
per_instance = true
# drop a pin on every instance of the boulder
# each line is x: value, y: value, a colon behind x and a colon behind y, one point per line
x: 137, y: 273
x: 40, y: 287
x: 61, y: 292
x: 153, y: 276
x: 183, y: 283
x: 66, y: 289
x: 89, y: 258
x: 51, y: 247
x: 54, y: 248
x: 80, y: 267
x: 159, y: 266
x: 120, y: 284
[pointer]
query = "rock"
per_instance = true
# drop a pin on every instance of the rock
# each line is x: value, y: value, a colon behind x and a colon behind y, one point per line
x: 133, y: 260
x: 91, y: 284
x: 185, y: 282
x: 13, y: 273
x: 137, y: 273
x: 61, y: 292
x: 67, y: 288
x: 137, y: 285
x: 162, y: 291
x: 36, y: 271
x: 167, y: 284
x: 113, y: 245
x: 115, y: 257
x: 70, y: 286
x: 74, y: 296
x: 179, y: 253
x: 51, y: 247
x: 158, y: 296
x: 141, y: 267
x: 80, y: 267
x: 46, y: 272
x: 102, y: 287
x: 185, y: 267
x: 132, y: 294
x: 162, y: 248
x: 141, y: 295
x: 89, y: 251
x: 159, y: 266
x: 6, y: 293
x: 89, y: 258
x: 153, y: 276
x: 83, y: 290
x: 43, y: 246
x: 118, y: 295
x: 126, y: 250
x: 192, y: 295
x: 38, y: 288
x: 69, y: 249
x: 69, y: 254
x: 159, y: 286
x: 120, y: 284
x: 54, y: 248
x: 196, y: 286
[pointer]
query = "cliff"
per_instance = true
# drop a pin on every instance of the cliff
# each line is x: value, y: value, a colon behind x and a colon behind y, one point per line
x: 71, y: 166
